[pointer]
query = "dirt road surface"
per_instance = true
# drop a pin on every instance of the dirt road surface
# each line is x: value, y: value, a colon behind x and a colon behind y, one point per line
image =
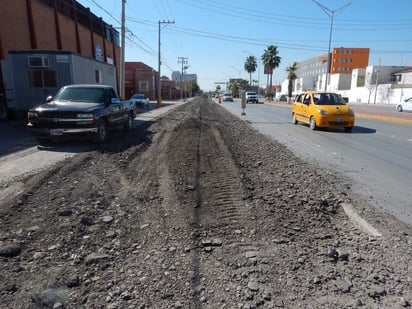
x: 197, y: 210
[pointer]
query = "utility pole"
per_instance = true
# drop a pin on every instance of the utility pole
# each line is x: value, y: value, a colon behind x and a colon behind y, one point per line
x: 122, y: 94
x: 183, y: 61
x: 159, y: 92
x: 331, y: 14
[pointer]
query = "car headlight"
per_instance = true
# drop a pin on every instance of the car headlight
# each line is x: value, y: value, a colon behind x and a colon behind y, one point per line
x: 322, y: 112
x: 84, y: 116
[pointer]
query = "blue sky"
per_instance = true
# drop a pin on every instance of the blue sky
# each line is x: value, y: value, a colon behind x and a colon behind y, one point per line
x: 218, y: 36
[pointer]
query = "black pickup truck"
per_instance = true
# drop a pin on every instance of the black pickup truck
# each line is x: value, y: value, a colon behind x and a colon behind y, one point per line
x: 79, y: 111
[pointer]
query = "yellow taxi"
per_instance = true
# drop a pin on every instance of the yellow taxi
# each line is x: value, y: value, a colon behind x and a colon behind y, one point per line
x: 322, y: 109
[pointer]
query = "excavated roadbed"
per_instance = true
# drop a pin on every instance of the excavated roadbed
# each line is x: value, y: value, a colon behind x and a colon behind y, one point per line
x: 197, y: 210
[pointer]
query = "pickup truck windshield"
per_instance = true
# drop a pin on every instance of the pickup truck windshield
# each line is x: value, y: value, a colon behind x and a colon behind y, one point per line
x: 83, y: 94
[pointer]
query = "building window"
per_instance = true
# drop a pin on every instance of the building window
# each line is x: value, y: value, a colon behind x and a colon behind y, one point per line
x: 143, y: 86
x: 42, y: 79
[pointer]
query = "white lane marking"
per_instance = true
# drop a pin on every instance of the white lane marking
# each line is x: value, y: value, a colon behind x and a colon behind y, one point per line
x: 359, y: 222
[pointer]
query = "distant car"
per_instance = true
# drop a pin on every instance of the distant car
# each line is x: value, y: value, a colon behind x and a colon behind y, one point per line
x: 251, y: 97
x: 139, y: 100
x: 227, y: 97
x: 282, y: 98
x: 405, y: 106
x: 322, y: 110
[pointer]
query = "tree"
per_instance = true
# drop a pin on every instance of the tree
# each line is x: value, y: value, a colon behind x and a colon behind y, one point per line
x: 371, y: 83
x: 250, y: 67
x: 195, y: 88
x: 238, y: 85
x: 291, y: 70
x: 271, y: 61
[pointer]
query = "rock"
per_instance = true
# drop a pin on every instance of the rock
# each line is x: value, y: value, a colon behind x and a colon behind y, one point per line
x: 376, y: 292
x: 10, y: 250
x: 96, y: 258
x: 253, y: 285
x: 86, y: 221
x: 344, y: 285
x: 251, y: 254
x: 9, y: 288
x: 73, y: 282
x: 216, y: 242
x: 107, y: 219
x: 65, y: 213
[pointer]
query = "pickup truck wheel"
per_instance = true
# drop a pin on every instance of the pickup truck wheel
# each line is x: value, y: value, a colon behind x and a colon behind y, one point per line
x: 312, y: 123
x: 101, y: 134
x: 128, y: 125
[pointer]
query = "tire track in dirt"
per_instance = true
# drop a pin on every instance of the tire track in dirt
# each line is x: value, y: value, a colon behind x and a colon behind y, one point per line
x: 221, y: 216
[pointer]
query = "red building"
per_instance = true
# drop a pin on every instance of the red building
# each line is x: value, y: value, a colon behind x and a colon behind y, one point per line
x: 139, y: 78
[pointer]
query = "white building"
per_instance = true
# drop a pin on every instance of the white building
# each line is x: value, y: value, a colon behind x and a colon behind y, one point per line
x: 179, y: 78
x: 375, y: 84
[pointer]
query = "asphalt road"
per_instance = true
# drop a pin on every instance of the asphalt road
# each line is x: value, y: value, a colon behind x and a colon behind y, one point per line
x: 376, y: 156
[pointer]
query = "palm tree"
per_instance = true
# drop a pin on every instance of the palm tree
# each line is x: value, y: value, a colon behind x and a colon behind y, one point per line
x: 291, y: 70
x: 271, y: 61
x: 250, y: 67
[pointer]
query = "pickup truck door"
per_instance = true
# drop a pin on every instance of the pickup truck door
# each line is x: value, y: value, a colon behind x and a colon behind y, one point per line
x: 117, y: 114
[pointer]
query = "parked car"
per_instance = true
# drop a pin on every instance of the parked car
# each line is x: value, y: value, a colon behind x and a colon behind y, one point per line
x: 322, y: 110
x: 79, y: 111
x: 282, y: 98
x: 139, y: 100
x: 251, y: 97
x: 406, y: 106
x: 227, y: 97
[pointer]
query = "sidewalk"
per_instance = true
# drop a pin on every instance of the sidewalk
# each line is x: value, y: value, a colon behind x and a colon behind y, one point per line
x: 14, y: 135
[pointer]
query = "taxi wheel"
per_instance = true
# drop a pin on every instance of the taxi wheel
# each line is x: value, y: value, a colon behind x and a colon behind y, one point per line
x: 312, y: 123
x: 294, y: 121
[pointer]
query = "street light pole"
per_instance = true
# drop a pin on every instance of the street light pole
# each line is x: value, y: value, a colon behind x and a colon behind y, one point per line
x: 331, y: 14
